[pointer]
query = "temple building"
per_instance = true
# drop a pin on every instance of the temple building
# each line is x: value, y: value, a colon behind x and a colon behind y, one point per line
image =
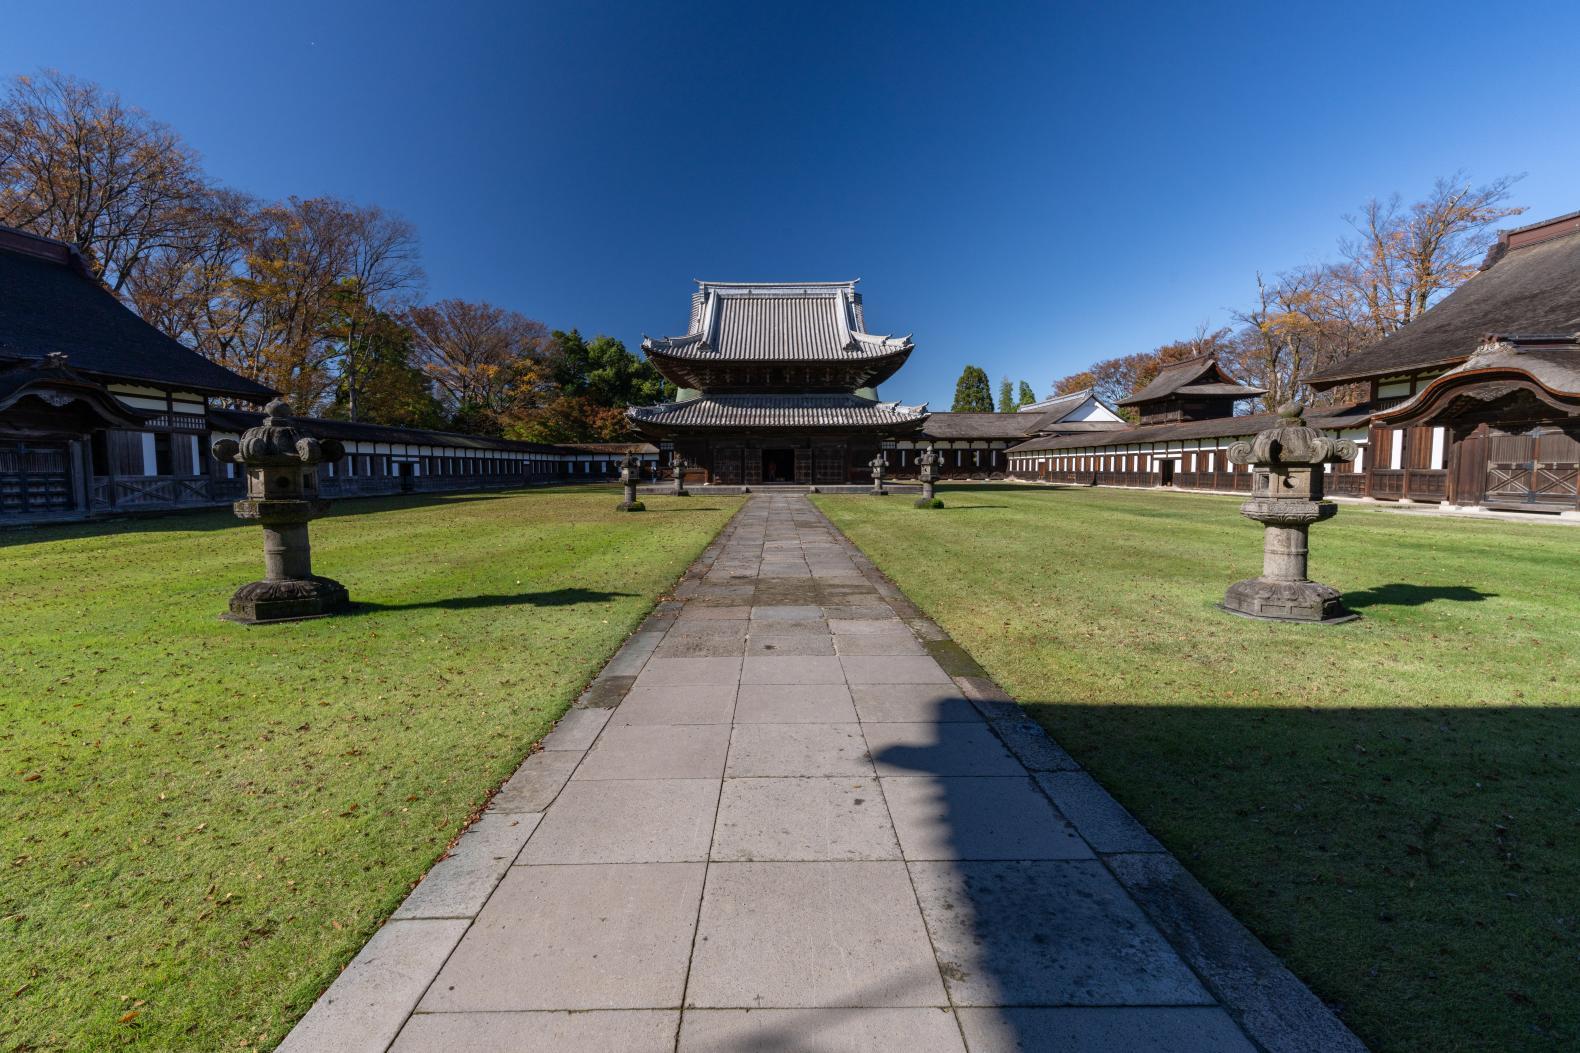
x: 102, y: 414
x: 778, y: 383
x: 1477, y: 401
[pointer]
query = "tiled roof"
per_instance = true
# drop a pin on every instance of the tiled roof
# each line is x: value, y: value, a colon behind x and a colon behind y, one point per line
x: 777, y: 322
x: 1059, y: 403
x: 1176, y: 377
x: 1553, y: 361
x: 778, y: 411
x: 1529, y: 287
x: 48, y: 303
x: 1324, y: 417
x: 983, y: 425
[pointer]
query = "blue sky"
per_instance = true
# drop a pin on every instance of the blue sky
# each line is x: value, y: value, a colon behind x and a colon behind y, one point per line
x: 1026, y: 187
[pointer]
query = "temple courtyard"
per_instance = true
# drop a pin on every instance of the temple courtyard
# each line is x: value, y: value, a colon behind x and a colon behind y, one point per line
x: 799, y: 807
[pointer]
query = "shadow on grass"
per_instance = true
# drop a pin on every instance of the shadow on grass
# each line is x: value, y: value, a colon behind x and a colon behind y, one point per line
x: 1410, y: 861
x: 553, y: 598
x: 1399, y: 594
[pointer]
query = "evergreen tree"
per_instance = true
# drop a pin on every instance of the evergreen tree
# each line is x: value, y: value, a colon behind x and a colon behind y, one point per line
x: 1006, y: 396
x: 973, y: 392
x: 1027, y: 396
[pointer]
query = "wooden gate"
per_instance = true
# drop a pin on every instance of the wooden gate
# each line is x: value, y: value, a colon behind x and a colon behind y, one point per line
x: 1538, y: 469
x: 34, y: 477
x: 828, y: 465
x: 727, y: 465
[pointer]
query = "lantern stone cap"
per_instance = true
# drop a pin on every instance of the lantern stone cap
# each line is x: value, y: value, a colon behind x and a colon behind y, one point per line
x: 1291, y: 443
x: 276, y: 443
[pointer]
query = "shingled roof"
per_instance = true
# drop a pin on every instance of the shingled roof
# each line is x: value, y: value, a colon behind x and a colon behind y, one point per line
x: 1327, y: 417
x: 1530, y: 283
x: 777, y: 322
x: 1194, y: 376
x: 50, y: 304
x: 778, y: 411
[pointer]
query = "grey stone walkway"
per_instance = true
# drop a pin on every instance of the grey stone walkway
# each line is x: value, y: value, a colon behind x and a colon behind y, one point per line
x: 792, y: 815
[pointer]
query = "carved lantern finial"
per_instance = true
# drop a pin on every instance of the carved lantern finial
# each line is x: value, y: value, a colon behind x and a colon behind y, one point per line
x: 1288, y: 462
x: 282, y: 495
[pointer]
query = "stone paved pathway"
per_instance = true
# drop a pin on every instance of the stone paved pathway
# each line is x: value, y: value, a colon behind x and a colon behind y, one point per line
x: 790, y: 815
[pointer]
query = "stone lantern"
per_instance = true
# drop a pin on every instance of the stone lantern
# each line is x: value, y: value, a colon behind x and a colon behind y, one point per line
x: 1286, y: 498
x: 630, y: 472
x: 927, y: 471
x: 680, y: 476
x: 282, y: 495
x: 878, y: 464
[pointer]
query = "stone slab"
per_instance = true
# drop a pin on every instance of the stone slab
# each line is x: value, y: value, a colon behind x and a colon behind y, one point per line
x: 576, y: 730
x: 1137, y: 1029
x: 977, y: 818
x: 658, y: 751
x: 628, y: 661
x: 365, y: 1007
x: 861, y: 626
x: 610, y: 1031
x: 870, y: 644
x: 1046, y: 933
x: 536, y: 782
x: 690, y: 671
x: 790, y: 935
x: 938, y: 749
x: 1030, y: 743
x: 627, y: 821
x: 678, y: 704
x: 458, y: 885
x: 1100, y: 819
x: 807, y: 670
x: 1270, y: 1004
x: 787, y: 613
x: 765, y: 645
x: 605, y: 692
x: 855, y: 611
x: 698, y: 613
x: 819, y: 1031
x: 766, y: 750
x: 912, y: 704
x: 901, y: 669
x: 794, y: 704
x: 679, y: 645
x: 801, y: 819
x: 576, y: 937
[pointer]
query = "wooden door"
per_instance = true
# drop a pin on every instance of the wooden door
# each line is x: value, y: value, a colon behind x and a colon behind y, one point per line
x: 828, y: 465
x: 34, y: 477
x: 1540, y: 469
x: 803, y: 465
x: 727, y: 465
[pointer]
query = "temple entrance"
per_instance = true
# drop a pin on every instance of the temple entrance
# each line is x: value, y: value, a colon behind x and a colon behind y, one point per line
x: 1165, y: 473
x: 1537, y: 470
x: 779, y: 466
x: 34, y: 477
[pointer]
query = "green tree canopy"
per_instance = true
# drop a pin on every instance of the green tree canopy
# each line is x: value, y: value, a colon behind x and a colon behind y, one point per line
x: 1027, y: 395
x: 973, y: 392
x: 1006, y: 396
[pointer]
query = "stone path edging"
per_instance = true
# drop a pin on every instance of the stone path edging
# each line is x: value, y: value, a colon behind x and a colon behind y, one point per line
x: 377, y: 997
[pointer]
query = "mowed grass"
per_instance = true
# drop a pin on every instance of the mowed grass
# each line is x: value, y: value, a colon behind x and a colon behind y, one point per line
x: 1392, y: 805
x: 202, y: 823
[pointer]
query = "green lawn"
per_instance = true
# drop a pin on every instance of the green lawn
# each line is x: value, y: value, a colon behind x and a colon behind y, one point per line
x: 1392, y: 805
x: 202, y: 822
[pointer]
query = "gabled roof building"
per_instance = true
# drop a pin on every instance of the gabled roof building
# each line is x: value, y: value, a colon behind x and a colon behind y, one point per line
x: 777, y: 382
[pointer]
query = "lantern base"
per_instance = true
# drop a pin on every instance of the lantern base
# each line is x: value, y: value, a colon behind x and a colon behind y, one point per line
x: 287, y: 600
x: 1287, y: 601
x: 631, y: 506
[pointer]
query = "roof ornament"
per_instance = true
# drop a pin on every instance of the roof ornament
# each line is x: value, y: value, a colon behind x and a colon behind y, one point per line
x: 55, y: 360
